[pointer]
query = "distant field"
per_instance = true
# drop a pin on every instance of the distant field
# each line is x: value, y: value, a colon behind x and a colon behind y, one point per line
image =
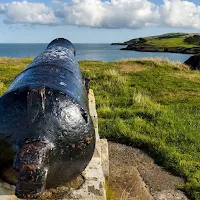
x: 150, y: 104
x: 170, y: 42
x: 183, y: 43
x: 9, y: 68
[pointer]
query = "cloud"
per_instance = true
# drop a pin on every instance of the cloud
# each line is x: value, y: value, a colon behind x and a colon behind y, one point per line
x: 26, y: 12
x: 179, y: 13
x: 113, y: 14
x: 3, y: 7
x: 130, y: 14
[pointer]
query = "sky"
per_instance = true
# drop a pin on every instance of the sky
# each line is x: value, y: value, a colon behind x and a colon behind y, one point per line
x: 95, y: 21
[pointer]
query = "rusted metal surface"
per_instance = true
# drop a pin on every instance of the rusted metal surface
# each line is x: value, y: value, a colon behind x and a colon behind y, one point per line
x: 45, y: 122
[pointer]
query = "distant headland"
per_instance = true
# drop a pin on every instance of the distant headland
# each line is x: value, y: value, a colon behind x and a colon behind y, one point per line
x: 186, y: 43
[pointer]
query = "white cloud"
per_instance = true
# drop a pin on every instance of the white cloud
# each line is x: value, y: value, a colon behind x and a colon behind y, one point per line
x: 179, y: 13
x: 113, y: 14
x: 3, y: 7
x: 105, y: 14
x: 129, y: 13
x: 26, y: 12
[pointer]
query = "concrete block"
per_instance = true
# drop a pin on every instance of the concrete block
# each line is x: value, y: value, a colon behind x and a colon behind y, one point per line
x: 105, y: 157
x: 93, y: 112
x: 94, y: 185
x: 7, y: 191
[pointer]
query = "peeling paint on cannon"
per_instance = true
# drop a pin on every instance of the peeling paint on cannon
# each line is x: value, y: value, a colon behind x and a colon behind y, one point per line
x: 46, y: 132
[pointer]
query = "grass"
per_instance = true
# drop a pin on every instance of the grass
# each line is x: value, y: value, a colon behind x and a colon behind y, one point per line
x: 154, y: 105
x: 150, y: 104
x: 110, y: 195
x: 9, y: 68
x: 170, y: 42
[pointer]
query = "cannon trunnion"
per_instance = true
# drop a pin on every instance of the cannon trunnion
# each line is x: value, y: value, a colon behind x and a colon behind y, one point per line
x: 46, y: 132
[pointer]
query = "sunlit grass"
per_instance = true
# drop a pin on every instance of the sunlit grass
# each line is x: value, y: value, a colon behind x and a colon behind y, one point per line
x: 170, y: 42
x: 154, y: 105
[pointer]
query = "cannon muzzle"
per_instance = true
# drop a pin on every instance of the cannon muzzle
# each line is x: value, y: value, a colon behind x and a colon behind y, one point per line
x: 32, y: 165
x: 31, y: 190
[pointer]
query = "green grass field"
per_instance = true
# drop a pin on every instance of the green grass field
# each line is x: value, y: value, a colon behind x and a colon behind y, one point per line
x: 150, y: 104
x: 170, y: 42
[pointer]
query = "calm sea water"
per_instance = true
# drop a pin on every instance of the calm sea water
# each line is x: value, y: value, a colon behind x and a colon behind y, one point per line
x: 103, y: 52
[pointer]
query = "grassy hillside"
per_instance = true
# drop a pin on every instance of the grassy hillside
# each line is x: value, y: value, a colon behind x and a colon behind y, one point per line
x: 171, y: 42
x: 150, y: 104
x: 9, y: 68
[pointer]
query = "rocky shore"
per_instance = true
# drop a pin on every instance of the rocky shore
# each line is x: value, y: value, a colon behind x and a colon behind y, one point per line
x: 150, y: 48
x: 193, y: 62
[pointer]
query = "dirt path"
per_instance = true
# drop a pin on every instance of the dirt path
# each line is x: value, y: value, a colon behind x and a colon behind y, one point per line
x: 135, y: 176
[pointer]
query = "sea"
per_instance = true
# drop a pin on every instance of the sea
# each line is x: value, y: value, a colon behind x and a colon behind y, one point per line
x: 101, y: 52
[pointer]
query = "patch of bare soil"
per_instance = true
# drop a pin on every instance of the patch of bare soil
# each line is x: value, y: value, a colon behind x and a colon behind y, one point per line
x: 135, y: 176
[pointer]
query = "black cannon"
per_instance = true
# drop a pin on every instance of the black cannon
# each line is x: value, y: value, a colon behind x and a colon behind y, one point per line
x: 46, y: 132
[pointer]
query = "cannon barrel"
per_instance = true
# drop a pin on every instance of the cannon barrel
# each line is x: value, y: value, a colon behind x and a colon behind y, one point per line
x: 45, y: 122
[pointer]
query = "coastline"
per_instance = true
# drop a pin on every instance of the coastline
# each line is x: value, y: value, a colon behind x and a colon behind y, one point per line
x: 182, y: 50
x: 182, y: 43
